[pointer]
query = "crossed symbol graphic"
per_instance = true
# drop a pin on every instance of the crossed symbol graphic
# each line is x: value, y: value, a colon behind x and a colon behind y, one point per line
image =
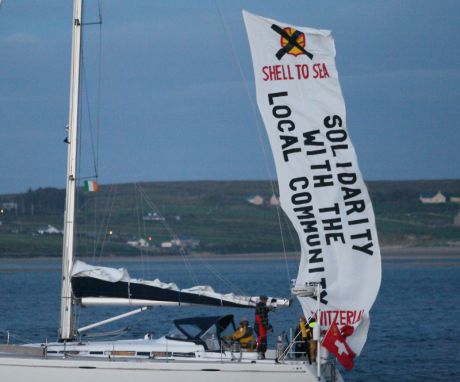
x: 291, y: 42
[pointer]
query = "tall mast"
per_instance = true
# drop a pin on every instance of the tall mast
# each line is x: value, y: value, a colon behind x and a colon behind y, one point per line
x: 66, y: 326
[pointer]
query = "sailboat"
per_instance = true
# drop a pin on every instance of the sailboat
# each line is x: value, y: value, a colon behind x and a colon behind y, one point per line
x: 322, y: 193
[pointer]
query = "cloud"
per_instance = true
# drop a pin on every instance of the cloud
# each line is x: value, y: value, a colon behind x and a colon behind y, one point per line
x: 20, y: 38
x: 409, y: 73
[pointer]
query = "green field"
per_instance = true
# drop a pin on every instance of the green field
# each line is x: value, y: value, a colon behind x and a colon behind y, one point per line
x: 215, y: 213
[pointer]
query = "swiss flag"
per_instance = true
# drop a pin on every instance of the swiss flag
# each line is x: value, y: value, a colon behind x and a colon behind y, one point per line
x: 334, y: 341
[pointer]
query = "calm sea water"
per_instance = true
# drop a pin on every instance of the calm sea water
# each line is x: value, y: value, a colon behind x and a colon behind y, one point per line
x: 414, y: 333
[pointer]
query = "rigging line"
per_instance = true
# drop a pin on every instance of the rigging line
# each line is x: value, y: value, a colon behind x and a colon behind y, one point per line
x: 99, y: 232
x: 136, y: 211
x: 79, y: 155
x: 258, y: 127
x: 88, y: 110
x: 95, y: 204
x: 96, y: 229
x: 144, y: 229
x: 95, y: 150
x: 293, y: 238
x: 81, y: 205
x: 286, y: 263
x: 228, y: 283
x: 83, y: 81
x: 99, y: 86
x: 104, y: 229
x: 173, y: 235
x: 213, y: 271
x: 112, y: 334
x: 139, y: 215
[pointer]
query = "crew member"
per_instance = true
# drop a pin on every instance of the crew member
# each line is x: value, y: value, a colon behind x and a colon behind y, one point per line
x: 313, y: 344
x: 243, y: 334
x: 303, y: 337
x: 262, y: 326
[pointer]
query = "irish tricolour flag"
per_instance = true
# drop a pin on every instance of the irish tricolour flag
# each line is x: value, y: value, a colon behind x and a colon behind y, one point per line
x: 91, y: 186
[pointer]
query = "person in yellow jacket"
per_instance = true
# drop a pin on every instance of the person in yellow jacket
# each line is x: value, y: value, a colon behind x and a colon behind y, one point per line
x: 313, y: 344
x: 303, y: 336
x: 305, y: 344
x: 244, y: 334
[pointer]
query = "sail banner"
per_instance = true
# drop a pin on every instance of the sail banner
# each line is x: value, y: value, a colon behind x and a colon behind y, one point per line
x: 321, y: 187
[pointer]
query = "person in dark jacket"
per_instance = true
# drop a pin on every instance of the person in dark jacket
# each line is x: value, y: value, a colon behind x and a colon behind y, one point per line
x: 262, y: 326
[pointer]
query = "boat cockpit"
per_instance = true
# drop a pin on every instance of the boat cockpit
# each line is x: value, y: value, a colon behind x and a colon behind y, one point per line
x: 207, y: 331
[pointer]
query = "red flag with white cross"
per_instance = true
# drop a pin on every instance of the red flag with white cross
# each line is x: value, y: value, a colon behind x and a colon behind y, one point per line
x: 335, y: 342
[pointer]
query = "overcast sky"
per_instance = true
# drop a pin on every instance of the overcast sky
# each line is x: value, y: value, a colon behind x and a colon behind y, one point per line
x: 174, y: 105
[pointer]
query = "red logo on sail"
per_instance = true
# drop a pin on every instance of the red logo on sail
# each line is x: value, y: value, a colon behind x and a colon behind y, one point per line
x: 296, y: 36
x: 292, y: 42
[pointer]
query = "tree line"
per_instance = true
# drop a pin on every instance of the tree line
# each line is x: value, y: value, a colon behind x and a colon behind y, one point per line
x: 41, y: 201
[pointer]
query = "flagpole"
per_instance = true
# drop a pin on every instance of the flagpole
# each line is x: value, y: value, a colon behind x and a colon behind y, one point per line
x: 317, y: 328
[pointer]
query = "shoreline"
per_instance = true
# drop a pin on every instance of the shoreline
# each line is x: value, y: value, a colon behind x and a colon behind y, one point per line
x: 387, y: 253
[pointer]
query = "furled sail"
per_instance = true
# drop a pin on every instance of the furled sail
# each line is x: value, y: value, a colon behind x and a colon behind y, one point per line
x: 109, y: 286
x: 321, y: 187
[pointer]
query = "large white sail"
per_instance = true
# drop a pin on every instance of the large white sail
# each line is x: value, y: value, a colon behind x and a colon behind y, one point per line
x: 321, y: 187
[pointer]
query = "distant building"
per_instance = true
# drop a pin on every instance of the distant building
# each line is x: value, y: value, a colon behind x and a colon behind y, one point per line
x: 9, y: 206
x: 49, y: 230
x: 166, y: 244
x: 274, y: 201
x: 454, y: 199
x: 257, y: 200
x: 457, y: 220
x: 185, y: 242
x: 433, y: 199
x: 153, y: 216
x: 141, y: 243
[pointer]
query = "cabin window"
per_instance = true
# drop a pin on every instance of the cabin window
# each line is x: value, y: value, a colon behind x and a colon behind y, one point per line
x: 211, y: 339
x: 175, y: 333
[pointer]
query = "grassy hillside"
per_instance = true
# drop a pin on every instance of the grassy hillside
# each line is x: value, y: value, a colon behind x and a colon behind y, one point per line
x: 403, y: 220
x: 215, y: 213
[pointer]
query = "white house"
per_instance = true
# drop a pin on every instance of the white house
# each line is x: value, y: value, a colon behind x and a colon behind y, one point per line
x: 49, y: 230
x: 274, y: 201
x: 185, y: 242
x: 141, y: 243
x: 257, y: 200
x: 153, y: 216
x: 433, y: 199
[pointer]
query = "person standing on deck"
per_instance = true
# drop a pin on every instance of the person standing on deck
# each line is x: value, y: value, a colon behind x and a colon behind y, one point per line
x: 262, y: 326
x: 313, y: 344
x: 303, y: 335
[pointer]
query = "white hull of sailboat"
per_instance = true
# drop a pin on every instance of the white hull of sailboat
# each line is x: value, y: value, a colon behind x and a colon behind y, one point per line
x: 15, y: 369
